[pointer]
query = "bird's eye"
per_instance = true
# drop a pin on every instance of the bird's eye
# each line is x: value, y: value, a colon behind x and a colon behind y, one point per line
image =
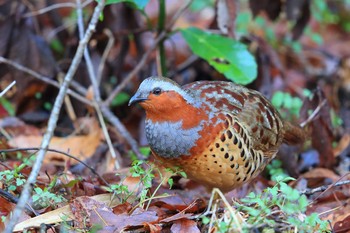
x: 156, y: 91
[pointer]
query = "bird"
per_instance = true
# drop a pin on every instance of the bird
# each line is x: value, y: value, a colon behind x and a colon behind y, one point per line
x: 219, y: 133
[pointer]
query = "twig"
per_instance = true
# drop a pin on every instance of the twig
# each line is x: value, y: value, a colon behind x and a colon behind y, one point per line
x: 144, y: 58
x: 53, y: 7
x: 108, y: 48
x: 324, y: 187
x: 59, y: 152
x: 313, y: 114
x: 161, y: 57
x: 93, y: 79
x: 133, y: 73
x: 67, y: 101
x: 122, y: 130
x: 53, y: 120
x: 178, y: 14
x: 10, y: 198
x: 7, y: 88
x: 183, y: 66
x: 44, y: 79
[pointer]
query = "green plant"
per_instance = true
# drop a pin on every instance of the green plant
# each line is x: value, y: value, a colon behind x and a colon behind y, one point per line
x: 286, y: 104
x: 121, y: 191
x: 43, y: 198
x: 275, y: 170
x: 146, y: 176
x: 280, y: 208
x: 12, y: 178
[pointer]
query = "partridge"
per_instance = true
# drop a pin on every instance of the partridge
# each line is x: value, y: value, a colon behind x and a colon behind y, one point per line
x: 220, y: 133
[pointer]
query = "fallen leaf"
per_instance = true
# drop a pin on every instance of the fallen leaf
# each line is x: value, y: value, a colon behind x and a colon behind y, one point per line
x: 342, y: 226
x: 184, y: 225
x: 63, y: 213
x: 123, y: 221
x: 81, y: 147
x: 318, y: 173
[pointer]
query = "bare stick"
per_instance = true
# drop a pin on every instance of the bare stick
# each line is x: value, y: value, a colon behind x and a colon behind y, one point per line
x: 313, y: 114
x: 122, y: 130
x: 108, y: 48
x: 26, y: 192
x: 95, y: 85
x: 7, y: 88
x: 44, y: 79
x: 324, y: 187
x: 55, y: 6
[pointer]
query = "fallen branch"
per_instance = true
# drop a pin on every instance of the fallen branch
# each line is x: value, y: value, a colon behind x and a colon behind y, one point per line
x: 324, y: 187
x: 26, y: 192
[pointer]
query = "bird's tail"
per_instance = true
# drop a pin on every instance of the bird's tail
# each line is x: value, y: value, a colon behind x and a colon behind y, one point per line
x: 294, y: 134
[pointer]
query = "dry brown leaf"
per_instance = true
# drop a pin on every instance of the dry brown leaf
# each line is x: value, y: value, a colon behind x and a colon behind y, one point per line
x: 342, y: 145
x: 120, y: 222
x: 342, y: 226
x: 82, y: 208
x: 63, y: 213
x: 184, y: 225
x: 318, y: 173
x: 81, y: 147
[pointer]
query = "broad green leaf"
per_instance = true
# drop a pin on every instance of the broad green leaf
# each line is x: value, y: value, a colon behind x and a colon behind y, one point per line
x: 227, y: 56
x: 139, y: 4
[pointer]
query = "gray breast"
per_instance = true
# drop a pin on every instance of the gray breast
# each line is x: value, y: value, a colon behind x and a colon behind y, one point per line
x: 169, y: 140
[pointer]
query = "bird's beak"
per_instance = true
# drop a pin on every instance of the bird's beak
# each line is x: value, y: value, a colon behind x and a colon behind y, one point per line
x: 137, y: 98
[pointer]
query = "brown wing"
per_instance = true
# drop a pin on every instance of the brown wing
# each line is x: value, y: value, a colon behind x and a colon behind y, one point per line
x: 256, y: 114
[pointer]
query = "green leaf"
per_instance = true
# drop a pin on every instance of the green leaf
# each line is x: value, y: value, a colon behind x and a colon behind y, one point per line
x: 183, y: 174
x: 227, y: 56
x: 139, y: 4
x: 205, y: 220
x: 7, y: 106
x: 170, y: 182
x: 145, y: 151
x: 120, y: 99
x: 277, y: 99
x: 303, y: 203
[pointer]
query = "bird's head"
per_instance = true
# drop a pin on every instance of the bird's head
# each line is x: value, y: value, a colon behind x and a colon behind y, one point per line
x: 159, y: 95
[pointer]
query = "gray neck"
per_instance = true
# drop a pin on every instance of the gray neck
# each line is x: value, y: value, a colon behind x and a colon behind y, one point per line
x: 169, y: 140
